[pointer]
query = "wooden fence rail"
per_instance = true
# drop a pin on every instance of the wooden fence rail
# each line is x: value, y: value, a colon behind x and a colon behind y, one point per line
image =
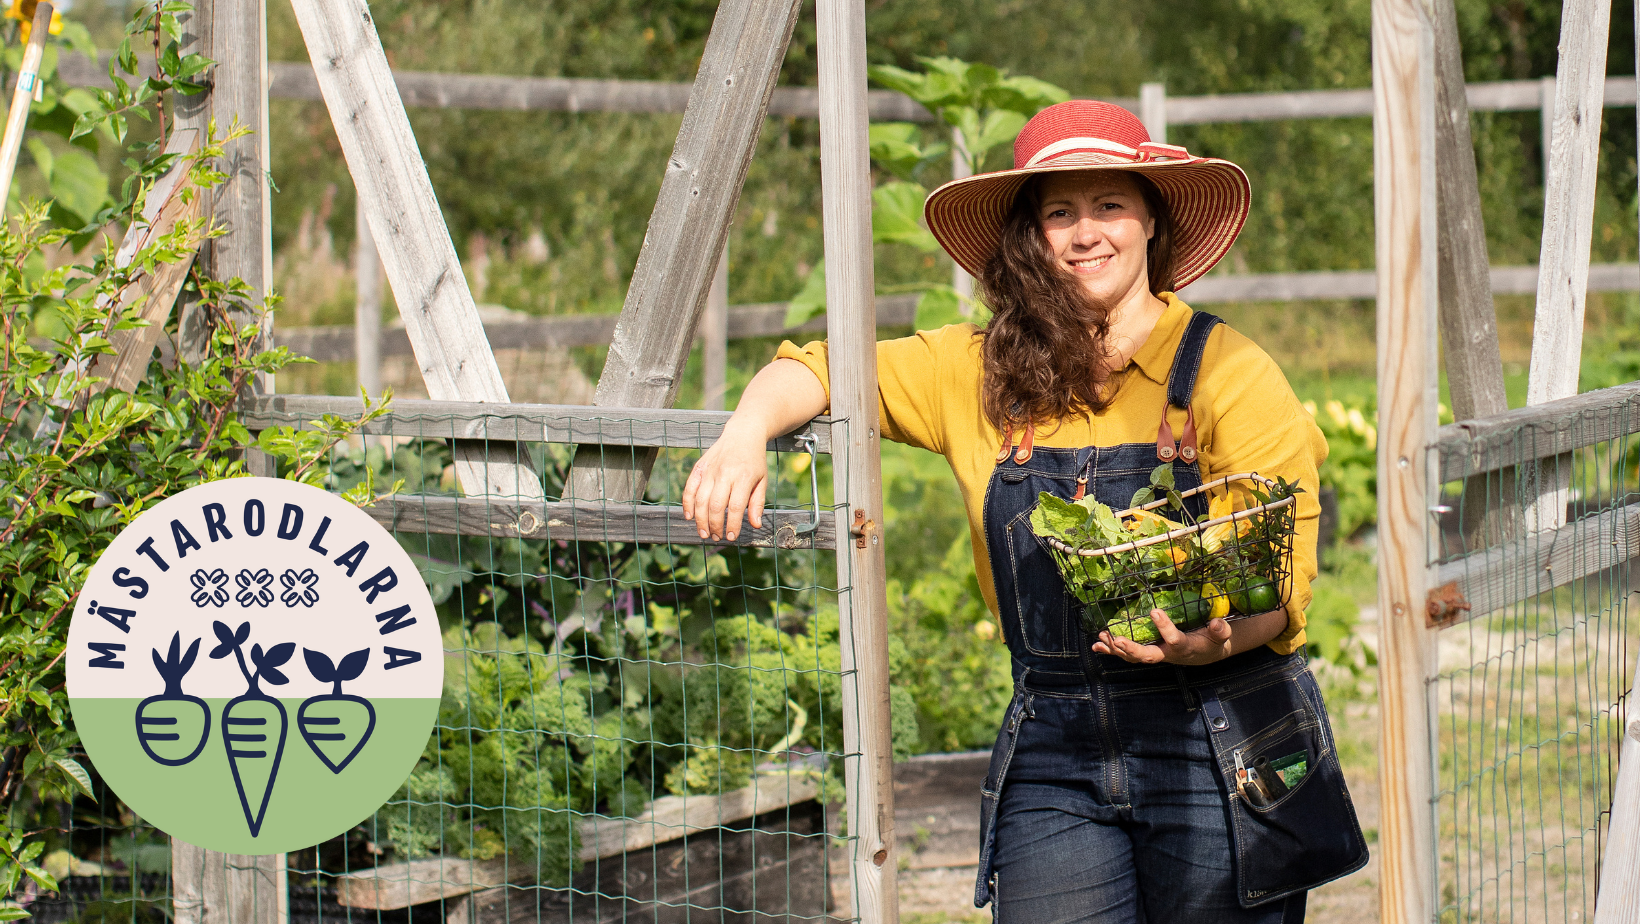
x: 338, y: 343
x: 525, y: 423
x: 1474, y: 447
x: 422, y: 89
x: 492, y: 430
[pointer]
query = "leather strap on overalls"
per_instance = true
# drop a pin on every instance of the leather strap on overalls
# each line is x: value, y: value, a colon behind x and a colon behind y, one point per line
x: 1181, y: 386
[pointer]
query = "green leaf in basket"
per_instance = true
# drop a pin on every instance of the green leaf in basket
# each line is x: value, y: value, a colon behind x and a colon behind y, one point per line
x: 1057, y: 518
x: 1104, y: 523
x: 1163, y: 476
x: 1084, y: 523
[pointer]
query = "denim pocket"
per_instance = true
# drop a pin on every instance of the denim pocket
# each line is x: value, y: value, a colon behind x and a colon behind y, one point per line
x: 1286, y: 839
x: 1043, y: 607
x: 1002, y: 753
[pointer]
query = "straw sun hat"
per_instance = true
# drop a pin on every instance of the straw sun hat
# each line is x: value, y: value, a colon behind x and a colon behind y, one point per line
x: 1208, y: 197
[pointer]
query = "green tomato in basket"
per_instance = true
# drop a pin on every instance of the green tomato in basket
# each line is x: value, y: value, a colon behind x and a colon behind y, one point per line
x: 1261, y: 598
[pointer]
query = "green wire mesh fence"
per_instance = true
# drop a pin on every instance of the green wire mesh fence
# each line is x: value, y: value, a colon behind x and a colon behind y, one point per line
x: 634, y: 725
x: 1533, y: 683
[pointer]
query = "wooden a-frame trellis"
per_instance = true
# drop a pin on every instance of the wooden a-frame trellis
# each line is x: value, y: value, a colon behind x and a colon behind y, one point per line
x: 675, y: 270
x: 1433, y: 278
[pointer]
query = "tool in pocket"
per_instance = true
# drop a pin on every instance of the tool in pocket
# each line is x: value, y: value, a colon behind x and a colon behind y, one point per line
x: 1248, y: 783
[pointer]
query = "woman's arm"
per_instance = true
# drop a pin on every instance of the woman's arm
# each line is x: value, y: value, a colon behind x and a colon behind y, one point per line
x: 1217, y: 640
x: 731, y: 477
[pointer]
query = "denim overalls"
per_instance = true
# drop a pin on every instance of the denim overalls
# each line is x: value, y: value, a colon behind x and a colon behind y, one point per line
x: 1112, y: 793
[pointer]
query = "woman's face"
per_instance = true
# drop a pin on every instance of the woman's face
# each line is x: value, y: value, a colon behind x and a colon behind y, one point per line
x: 1097, y: 226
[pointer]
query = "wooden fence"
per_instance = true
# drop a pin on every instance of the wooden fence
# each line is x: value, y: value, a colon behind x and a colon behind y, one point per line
x: 1159, y: 111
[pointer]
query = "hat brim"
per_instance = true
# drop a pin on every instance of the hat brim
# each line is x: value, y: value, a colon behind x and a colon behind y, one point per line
x: 1208, y: 200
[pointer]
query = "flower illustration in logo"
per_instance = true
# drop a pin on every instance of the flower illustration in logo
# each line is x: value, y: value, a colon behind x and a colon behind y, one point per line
x: 255, y: 587
x: 301, y: 587
x: 210, y: 587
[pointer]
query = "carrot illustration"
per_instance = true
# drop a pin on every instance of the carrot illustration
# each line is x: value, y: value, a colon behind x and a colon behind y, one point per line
x: 329, y: 721
x: 179, y: 717
x: 249, y: 719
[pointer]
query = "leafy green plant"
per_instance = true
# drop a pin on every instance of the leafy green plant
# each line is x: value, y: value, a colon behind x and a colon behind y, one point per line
x: 69, y: 172
x: 980, y: 104
x: 603, y: 715
x: 589, y: 677
x: 951, y: 643
x: 79, y: 461
x: 1351, y: 469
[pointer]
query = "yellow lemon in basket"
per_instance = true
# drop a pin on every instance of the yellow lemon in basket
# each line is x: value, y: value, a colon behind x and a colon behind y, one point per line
x: 1219, y: 600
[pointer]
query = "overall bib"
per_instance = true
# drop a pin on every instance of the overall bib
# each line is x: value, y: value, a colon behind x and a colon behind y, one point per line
x: 1112, y: 792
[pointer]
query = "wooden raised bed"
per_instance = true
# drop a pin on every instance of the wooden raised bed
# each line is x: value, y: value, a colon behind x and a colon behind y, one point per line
x: 757, y: 851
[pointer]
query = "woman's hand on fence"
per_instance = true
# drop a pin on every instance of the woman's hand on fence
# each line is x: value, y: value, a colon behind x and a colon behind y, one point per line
x: 728, y: 483
x: 732, y: 476
x: 1210, y: 643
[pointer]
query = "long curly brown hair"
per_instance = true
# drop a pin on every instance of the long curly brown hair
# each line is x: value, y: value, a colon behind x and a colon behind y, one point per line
x: 1045, y: 350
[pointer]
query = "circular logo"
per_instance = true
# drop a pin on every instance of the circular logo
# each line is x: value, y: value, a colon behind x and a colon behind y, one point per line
x: 254, y: 665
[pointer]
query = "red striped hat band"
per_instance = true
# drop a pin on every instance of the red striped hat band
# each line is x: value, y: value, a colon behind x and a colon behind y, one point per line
x: 1208, y: 198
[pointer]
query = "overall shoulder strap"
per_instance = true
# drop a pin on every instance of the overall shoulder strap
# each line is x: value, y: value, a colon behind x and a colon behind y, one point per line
x: 1187, y: 361
x: 1181, y: 385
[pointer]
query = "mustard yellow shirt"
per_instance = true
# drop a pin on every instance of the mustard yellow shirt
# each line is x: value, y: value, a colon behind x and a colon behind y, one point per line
x: 1247, y: 419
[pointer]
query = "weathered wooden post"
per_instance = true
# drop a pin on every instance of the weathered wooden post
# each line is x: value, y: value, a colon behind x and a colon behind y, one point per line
x: 714, y: 335
x: 1404, y: 178
x: 962, y: 167
x: 1468, y: 319
x: 851, y: 328
x: 1469, y: 322
x: 210, y: 887
x: 687, y: 231
x: 1618, y: 901
x: 436, y: 305
x: 1153, y: 109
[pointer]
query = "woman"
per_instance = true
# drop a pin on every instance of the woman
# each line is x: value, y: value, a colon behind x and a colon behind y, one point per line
x: 1119, y: 785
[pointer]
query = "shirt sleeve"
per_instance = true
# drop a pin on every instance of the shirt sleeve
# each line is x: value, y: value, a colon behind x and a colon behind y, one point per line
x: 1260, y: 426
x: 912, y: 377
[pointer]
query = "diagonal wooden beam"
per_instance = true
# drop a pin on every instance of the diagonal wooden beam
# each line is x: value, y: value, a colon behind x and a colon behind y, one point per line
x: 415, y: 246
x: 1468, y: 320
x: 687, y: 229
x: 1469, y: 323
x: 170, y: 200
x: 1568, y: 227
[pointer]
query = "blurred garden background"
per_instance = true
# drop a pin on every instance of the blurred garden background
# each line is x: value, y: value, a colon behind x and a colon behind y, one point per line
x: 549, y: 211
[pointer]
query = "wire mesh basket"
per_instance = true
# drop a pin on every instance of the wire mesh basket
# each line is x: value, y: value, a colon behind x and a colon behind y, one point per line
x: 1228, y: 563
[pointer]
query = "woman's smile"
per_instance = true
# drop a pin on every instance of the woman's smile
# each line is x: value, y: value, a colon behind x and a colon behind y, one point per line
x: 1088, y: 264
